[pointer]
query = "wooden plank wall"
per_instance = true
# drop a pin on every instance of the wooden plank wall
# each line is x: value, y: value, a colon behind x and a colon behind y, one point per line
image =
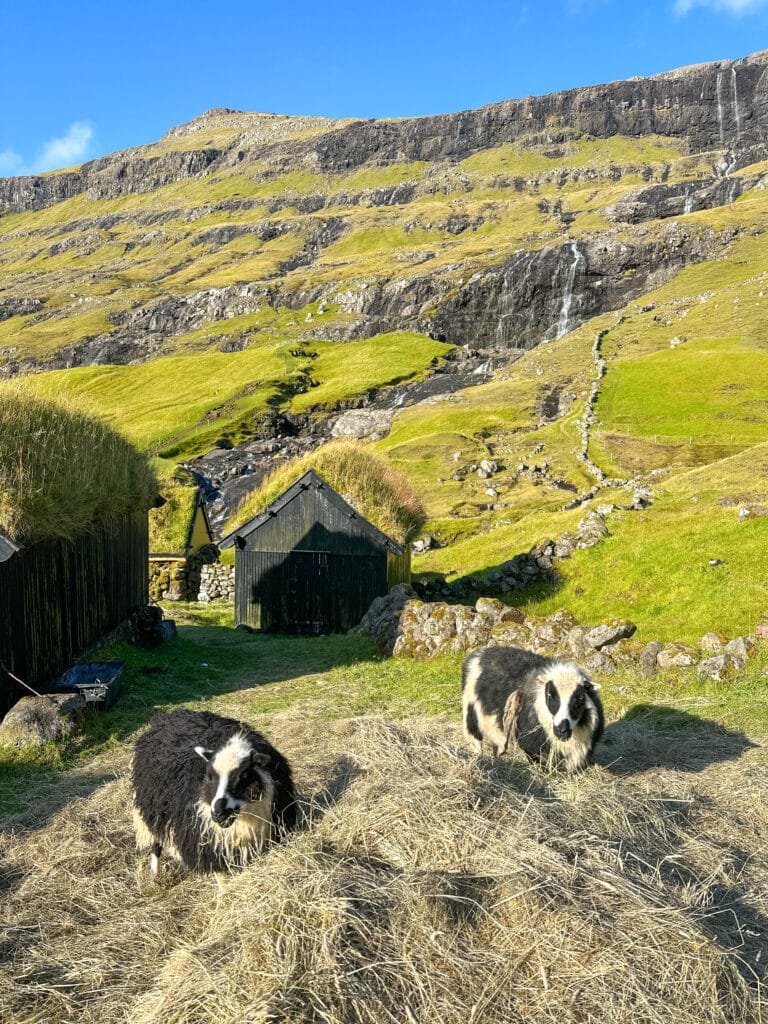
x: 306, y: 591
x: 57, y: 598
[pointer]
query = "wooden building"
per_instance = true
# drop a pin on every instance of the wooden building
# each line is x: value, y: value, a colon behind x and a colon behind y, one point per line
x: 309, y: 563
x: 73, y: 537
x: 60, y: 596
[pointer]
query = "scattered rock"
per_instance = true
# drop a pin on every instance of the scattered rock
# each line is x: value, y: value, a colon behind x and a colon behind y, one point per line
x: 34, y: 721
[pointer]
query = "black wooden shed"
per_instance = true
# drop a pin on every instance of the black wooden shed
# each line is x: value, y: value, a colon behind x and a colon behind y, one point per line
x: 59, y: 596
x: 309, y: 563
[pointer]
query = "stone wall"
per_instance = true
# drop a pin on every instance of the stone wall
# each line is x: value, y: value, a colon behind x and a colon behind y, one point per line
x: 178, y: 579
x: 403, y: 626
x: 217, y: 583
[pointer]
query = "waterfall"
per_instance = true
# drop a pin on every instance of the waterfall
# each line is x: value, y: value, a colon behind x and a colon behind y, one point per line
x: 719, y: 94
x: 736, y: 113
x: 688, y: 208
x: 564, y: 321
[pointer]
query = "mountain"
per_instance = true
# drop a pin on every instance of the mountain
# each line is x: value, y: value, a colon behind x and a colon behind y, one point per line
x: 584, y: 271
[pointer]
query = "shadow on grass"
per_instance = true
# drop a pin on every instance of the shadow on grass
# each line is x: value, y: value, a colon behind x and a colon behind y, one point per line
x: 203, y: 662
x: 313, y: 808
x: 31, y: 795
x: 467, y: 589
x: 650, y: 736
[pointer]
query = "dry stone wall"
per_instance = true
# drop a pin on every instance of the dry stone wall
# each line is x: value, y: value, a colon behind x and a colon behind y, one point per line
x: 217, y: 583
x: 404, y: 626
x: 178, y: 579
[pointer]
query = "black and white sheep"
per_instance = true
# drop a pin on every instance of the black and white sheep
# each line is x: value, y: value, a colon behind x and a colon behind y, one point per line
x: 209, y: 791
x: 547, y: 707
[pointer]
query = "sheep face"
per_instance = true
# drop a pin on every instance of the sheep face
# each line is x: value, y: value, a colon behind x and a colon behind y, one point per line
x: 564, y: 701
x: 234, y: 779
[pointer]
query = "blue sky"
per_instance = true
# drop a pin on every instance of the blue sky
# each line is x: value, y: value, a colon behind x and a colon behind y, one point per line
x: 79, y: 80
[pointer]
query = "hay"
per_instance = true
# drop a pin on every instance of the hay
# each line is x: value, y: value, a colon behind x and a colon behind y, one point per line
x: 61, y: 471
x: 429, y: 888
x: 377, y: 491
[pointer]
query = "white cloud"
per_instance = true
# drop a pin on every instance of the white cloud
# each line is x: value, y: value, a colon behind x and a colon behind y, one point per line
x: 62, y: 151
x: 10, y: 162
x: 730, y: 6
x: 69, y: 148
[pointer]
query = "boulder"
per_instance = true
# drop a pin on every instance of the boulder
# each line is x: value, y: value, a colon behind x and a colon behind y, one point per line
x: 722, y: 666
x: 382, y: 619
x: 609, y: 633
x: 599, y: 664
x: 712, y: 643
x: 649, y: 658
x: 677, y: 656
x: 577, y: 642
x: 364, y: 424
x: 34, y: 721
x: 739, y: 650
x: 510, y: 635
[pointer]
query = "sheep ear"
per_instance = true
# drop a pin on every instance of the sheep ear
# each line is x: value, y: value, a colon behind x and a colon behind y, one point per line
x: 591, y: 684
x: 202, y: 752
x: 259, y: 759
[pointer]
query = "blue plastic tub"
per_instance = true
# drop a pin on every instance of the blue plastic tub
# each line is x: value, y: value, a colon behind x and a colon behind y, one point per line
x: 98, y: 682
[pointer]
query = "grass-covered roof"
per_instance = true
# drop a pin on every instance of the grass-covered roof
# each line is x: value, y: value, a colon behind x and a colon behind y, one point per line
x: 169, y: 525
x: 61, y: 470
x: 377, y: 491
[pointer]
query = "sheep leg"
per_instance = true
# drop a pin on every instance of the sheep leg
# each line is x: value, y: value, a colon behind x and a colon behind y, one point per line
x: 154, y: 857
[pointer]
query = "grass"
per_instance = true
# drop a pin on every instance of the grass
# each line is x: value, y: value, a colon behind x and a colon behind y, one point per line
x: 377, y: 491
x: 169, y: 525
x: 61, y: 470
x: 40, y: 338
x: 356, y: 368
x: 617, y: 151
x: 219, y: 394
x: 421, y: 874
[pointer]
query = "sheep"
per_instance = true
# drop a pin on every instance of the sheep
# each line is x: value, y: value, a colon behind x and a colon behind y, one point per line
x: 208, y: 790
x: 547, y: 707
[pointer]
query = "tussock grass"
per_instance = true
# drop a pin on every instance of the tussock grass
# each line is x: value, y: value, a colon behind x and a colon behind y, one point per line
x: 427, y: 886
x: 374, y: 489
x: 61, y: 470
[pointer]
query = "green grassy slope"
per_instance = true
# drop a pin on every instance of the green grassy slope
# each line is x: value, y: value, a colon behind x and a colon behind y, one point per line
x: 685, y: 383
x: 179, y: 406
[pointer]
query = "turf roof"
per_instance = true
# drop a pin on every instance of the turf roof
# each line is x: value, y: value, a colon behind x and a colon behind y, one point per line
x: 61, y: 470
x: 377, y: 491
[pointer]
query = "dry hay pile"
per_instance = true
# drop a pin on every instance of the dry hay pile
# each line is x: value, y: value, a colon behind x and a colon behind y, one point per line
x: 428, y: 887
